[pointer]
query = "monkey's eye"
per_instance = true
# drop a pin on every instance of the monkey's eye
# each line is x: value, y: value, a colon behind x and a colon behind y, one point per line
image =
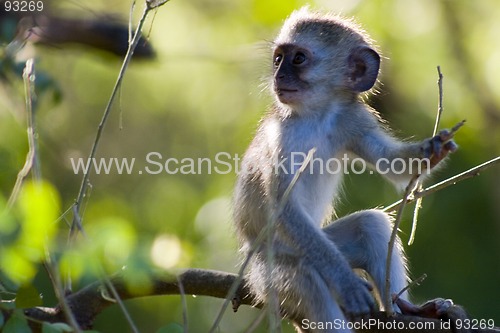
x: 277, y: 60
x: 299, y: 58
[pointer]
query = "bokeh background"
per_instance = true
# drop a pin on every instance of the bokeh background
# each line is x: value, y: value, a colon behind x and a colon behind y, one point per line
x: 204, y: 93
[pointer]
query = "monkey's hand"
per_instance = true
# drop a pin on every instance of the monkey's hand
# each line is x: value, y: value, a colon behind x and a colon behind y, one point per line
x: 355, y: 297
x: 436, y: 308
x: 438, y: 147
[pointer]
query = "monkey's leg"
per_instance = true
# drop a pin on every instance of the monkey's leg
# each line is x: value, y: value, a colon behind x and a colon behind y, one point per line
x: 363, y: 238
x: 303, y: 294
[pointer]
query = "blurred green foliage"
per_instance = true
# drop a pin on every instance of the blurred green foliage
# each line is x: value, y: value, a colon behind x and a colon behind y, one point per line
x: 204, y: 94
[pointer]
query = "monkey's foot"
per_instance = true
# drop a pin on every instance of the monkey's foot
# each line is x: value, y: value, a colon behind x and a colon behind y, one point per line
x: 436, y: 308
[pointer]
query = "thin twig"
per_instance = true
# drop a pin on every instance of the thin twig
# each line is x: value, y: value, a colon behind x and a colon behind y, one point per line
x: 118, y: 299
x: 274, y: 306
x: 57, y: 284
x: 418, y: 204
x: 440, y: 101
x: 455, y: 128
x: 31, y: 157
x: 387, y: 295
x: 184, y: 305
x: 130, y: 29
x: 153, y: 4
x: 410, y: 189
x: 32, y: 164
x: 253, y: 326
x: 413, y: 283
x: 475, y: 171
x: 260, y: 238
x: 76, y: 223
x: 107, y: 111
x: 416, y: 210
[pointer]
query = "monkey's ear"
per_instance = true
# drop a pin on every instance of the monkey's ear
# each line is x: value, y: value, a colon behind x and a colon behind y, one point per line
x: 363, y: 66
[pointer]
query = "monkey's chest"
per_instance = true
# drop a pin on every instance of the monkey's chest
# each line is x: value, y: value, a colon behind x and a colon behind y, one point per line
x: 319, y: 137
x: 318, y: 183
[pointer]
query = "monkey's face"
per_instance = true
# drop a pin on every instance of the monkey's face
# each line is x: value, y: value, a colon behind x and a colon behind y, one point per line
x: 321, y: 60
x: 290, y: 64
x: 308, y: 71
x: 307, y: 74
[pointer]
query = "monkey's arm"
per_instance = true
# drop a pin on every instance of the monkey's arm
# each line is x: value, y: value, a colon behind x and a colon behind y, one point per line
x: 296, y: 227
x: 398, y: 160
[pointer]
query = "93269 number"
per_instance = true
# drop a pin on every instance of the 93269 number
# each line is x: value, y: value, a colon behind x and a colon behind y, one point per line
x: 474, y: 324
x: 23, y: 6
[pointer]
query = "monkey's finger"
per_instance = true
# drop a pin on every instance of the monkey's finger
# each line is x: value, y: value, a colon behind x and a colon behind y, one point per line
x: 407, y: 307
x: 451, y: 146
x: 444, y: 135
x: 435, y: 308
x: 442, y: 305
x: 437, y: 144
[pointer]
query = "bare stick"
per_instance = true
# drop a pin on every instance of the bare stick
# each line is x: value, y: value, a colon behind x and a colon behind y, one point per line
x: 413, y: 283
x: 153, y: 4
x: 253, y: 326
x: 57, y: 284
x: 440, y: 101
x: 184, y: 305
x: 32, y: 164
x: 31, y: 156
x: 118, y: 299
x: 260, y: 238
x: 107, y: 111
x: 416, y: 210
x: 77, y: 219
x: 387, y: 295
x: 130, y: 29
x: 475, y: 171
x: 76, y: 223
x: 273, y: 306
x: 455, y: 128
x: 150, y: 5
x: 418, y: 204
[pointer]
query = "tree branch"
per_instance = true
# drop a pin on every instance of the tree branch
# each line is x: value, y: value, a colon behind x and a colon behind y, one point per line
x: 88, y: 302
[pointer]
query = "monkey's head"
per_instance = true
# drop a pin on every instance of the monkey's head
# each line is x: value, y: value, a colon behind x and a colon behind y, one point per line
x: 319, y: 59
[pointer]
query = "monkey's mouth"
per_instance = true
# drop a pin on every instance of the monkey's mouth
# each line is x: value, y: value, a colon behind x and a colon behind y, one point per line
x: 281, y: 91
x: 287, y: 95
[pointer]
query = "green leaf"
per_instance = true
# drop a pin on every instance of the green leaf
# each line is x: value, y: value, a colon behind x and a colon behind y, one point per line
x: 27, y: 297
x: 39, y: 204
x: 56, y: 328
x: 171, y: 328
x: 37, y: 208
x: 16, y: 324
x: 1, y: 319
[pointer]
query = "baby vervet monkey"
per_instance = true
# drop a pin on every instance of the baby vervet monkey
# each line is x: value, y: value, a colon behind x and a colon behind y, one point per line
x: 321, y: 64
